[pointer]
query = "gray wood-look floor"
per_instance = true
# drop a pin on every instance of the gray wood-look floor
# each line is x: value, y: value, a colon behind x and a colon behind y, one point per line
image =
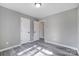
x: 56, y: 50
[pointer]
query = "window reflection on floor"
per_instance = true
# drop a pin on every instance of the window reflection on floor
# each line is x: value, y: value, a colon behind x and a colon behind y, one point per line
x: 36, y: 51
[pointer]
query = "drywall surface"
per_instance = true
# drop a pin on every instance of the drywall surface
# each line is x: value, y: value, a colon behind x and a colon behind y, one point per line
x: 62, y: 28
x: 78, y: 25
x: 10, y: 27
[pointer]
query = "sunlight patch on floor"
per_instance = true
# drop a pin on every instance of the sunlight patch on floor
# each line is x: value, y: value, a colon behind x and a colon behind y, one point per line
x: 47, y: 51
x: 39, y: 54
x: 38, y: 51
x: 26, y: 50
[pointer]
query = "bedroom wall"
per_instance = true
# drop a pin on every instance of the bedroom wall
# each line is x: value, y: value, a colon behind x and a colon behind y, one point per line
x: 10, y: 27
x: 62, y: 28
x: 78, y: 25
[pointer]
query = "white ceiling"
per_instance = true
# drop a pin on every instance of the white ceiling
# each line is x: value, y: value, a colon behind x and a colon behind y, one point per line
x: 45, y: 10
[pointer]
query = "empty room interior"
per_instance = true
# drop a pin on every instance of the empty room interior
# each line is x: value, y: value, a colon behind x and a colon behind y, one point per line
x: 39, y: 29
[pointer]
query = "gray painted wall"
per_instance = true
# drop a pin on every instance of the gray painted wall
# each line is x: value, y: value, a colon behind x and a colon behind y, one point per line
x: 62, y: 28
x: 10, y: 27
x: 78, y: 25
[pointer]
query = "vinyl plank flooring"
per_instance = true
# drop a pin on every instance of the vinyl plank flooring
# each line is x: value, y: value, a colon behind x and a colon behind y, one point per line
x: 57, y: 50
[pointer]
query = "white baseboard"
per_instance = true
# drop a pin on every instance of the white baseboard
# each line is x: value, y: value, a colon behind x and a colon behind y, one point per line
x: 9, y: 48
x: 25, y: 42
x: 62, y: 45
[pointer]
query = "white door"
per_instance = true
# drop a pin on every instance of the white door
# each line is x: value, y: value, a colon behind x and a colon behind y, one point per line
x: 25, y: 30
x: 36, y: 30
